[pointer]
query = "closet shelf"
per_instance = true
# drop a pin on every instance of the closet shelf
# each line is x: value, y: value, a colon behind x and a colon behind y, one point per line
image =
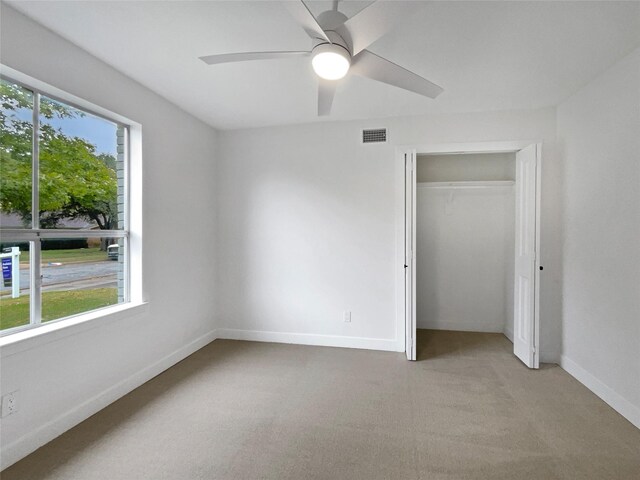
x: 469, y: 184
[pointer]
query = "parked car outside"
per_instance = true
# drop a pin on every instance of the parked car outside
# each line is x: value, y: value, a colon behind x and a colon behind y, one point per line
x: 113, y: 251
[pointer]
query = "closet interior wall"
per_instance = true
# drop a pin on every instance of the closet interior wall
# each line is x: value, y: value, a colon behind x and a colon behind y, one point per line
x: 465, y: 242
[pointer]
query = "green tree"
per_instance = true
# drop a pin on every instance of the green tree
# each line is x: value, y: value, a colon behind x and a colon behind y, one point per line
x: 75, y: 181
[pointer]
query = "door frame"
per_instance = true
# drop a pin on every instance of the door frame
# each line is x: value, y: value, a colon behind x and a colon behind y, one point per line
x: 404, y: 335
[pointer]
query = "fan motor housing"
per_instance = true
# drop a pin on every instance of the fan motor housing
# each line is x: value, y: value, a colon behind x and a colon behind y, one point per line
x: 331, y: 19
x: 335, y: 38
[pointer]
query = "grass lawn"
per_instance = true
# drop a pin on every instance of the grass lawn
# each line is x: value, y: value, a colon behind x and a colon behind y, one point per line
x: 74, y: 255
x: 15, y: 311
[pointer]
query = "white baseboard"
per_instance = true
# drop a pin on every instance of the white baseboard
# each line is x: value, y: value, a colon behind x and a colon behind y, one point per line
x: 30, y: 442
x: 620, y: 404
x: 508, y: 332
x: 311, y: 339
x: 461, y: 326
x: 549, y: 357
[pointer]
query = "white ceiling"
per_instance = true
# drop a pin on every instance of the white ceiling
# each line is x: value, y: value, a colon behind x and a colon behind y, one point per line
x: 486, y: 55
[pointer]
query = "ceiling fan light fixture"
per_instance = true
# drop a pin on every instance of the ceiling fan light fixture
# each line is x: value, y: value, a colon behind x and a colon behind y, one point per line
x: 331, y: 61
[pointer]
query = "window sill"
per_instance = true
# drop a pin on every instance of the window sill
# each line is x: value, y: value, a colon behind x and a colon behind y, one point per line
x: 51, y: 332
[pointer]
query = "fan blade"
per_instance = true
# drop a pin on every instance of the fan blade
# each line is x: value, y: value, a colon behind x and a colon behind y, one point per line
x: 247, y: 56
x: 367, y: 64
x: 326, y: 92
x: 305, y: 18
x: 374, y: 21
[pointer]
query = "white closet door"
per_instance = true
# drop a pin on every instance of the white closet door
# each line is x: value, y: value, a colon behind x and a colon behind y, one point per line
x: 409, y: 253
x: 525, y: 334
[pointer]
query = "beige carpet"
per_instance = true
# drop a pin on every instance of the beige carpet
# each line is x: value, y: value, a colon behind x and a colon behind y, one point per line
x: 240, y: 410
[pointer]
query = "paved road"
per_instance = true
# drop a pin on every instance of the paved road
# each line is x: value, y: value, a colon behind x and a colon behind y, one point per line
x: 73, y: 276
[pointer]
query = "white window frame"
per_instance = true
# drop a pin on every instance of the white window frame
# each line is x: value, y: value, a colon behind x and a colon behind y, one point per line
x: 131, y: 232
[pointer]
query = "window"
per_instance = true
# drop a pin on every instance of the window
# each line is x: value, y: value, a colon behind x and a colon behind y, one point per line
x: 64, y: 236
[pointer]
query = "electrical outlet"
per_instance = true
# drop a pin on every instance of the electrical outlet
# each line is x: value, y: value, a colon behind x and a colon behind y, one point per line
x: 10, y: 403
x: 346, y: 316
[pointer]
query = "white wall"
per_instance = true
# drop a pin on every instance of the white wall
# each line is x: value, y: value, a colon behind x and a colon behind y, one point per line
x: 69, y: 378
x: 464, y: 253
x: 307, y: 230
x: 599, y: 133
x: 307, y: 224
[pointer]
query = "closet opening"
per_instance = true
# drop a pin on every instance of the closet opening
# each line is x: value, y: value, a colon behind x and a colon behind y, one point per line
x: 465, y: 251
x: 471, y: 262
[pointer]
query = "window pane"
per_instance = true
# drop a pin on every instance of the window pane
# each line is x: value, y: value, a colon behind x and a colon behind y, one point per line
x: 79, y: 275
x: 81, y: 169
x: 14, y: 289
x: 16, y: 141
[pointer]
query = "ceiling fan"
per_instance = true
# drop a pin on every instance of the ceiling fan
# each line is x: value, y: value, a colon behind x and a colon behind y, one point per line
x: 339, y: 46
